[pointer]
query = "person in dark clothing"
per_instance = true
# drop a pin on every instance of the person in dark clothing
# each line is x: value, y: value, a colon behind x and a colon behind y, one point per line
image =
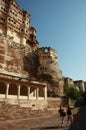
x: 62, y: 115
x: 69, y: 116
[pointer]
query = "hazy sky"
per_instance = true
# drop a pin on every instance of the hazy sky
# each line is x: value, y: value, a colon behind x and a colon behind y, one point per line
x: 61, y: 24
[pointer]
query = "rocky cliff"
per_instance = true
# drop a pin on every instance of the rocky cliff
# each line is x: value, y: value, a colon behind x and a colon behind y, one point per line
x: 37, y: 65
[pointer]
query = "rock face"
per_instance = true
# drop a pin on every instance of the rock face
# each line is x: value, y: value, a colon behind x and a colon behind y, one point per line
x: 49, y: 63
x: 49, y: 69
x: 31, y: 63
x: 20, y: 54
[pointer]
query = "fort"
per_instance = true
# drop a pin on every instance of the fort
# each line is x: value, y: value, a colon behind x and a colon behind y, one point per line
x: 27, y: 72
x: 24, y: 66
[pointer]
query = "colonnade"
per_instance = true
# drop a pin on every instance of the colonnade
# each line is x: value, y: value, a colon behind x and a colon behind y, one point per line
x: 19, y: 91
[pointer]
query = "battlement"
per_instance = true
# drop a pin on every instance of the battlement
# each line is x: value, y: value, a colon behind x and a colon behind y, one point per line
x: 47, y: 51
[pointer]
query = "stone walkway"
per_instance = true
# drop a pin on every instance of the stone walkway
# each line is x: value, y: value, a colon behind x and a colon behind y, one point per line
x: 52, y: 123
x: 46, y: 123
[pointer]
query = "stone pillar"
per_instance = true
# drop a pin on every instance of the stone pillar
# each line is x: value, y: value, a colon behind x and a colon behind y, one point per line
x: 45, y: 92
x: 19, y: 91
x: 37, y: 93
x: 28, y: 92
x: 7, y: 90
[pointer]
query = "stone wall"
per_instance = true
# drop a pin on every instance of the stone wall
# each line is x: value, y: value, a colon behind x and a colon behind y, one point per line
x: 49, y: 69
x: 49, y: 63
x: 80, y: 84
x: 11, y: 57
x: 12, y: 112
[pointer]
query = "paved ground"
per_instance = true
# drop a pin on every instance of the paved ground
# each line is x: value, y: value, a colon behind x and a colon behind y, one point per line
x: 54, y: 123
x: 49, y: 123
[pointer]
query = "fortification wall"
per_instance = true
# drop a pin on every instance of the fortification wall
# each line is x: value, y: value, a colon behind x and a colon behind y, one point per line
x: 11, y: 57
x: 49, y: 62
x: 16, y: 111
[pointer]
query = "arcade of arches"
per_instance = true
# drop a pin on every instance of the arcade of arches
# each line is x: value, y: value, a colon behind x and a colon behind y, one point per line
x: 11, y: 88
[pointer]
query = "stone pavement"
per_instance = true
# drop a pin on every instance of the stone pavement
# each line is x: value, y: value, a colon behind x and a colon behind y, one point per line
x: 46, y: 123
x: 52, y: 123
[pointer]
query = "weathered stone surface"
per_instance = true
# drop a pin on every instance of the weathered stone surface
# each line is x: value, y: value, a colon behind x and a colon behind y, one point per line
x: 12, y: 112
x: 11, y: 59
x: 38, y: 65
x: 20, y: 54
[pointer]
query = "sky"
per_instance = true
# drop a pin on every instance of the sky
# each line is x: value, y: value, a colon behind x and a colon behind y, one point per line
x: 61, y: 25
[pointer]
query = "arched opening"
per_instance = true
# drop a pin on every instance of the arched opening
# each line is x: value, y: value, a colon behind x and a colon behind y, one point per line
x: 41, y: 92
x: 32, y: 92
x: 24, y: 91
x: 2, y: 88
x: 13, y: 90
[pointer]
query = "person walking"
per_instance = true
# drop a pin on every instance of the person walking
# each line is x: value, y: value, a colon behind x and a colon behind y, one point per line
x: 69, y: 116
x: 62, y: 115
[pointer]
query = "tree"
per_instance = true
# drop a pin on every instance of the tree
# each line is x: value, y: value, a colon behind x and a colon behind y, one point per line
x: 73, y: 93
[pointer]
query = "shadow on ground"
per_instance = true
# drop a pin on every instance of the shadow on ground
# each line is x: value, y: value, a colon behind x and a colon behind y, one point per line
x: 45, y: 128
x: 76, y: 125
x: 80, y: 124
